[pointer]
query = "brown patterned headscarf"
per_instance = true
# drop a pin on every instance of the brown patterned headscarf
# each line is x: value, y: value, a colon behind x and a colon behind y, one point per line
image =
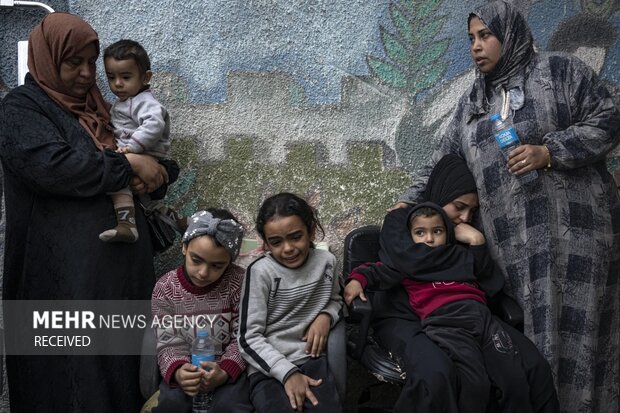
x: 56, y: 38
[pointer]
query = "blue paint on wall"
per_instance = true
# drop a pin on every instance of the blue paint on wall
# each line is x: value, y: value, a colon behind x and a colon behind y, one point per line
x: 317, y: 42
x: 611, y: 69
x: 456, y: 28
x: 15, y: 25
x: 544, y: 17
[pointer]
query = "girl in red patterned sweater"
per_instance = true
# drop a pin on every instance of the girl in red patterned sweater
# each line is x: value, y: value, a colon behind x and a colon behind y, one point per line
x: 202, y: 294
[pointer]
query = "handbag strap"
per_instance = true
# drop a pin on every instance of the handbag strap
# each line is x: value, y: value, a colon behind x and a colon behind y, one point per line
x: 169, y: 221
x: 162, y: 217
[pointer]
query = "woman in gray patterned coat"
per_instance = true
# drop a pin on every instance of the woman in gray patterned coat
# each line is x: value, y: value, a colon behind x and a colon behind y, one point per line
x: 557, y: 239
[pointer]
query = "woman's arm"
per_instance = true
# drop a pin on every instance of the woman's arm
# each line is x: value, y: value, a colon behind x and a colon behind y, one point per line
x: 33, y: 148
x: 592, y: 120
x: 149, y: 173
x: 376, y: 276
x: 487, y: 273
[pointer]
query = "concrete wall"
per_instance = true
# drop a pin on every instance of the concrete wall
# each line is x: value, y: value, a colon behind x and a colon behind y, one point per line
x: 309, y: 96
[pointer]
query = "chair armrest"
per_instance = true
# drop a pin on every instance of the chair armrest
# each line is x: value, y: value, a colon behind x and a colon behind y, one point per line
x: 337, y: 356
x: 2, y: 360
x: 360, y: 312
x: 149, y: 369
x: 507, y: 308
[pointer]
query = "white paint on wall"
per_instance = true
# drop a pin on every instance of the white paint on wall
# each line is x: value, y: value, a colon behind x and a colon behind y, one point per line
x: 22, y: 61
x: 260, y: 107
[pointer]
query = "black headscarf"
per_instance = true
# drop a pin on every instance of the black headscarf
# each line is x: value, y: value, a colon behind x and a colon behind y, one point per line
x: 511, y: 29
x: 402, y: 258
x: 450, y: 179
x: 449, y: 262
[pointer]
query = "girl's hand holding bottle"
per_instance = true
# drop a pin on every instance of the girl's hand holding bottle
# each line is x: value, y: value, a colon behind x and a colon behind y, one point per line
x: 189, y: 378
x: 214, y: 376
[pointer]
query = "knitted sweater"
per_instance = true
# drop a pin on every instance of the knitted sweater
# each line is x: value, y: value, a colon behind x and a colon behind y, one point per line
x: 142, y: 124
x: 278, y: 305
x: 215, y: 306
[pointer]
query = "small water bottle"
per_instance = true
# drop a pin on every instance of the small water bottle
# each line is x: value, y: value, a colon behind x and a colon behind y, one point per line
x: 202, y: 350
x: 507, y: 139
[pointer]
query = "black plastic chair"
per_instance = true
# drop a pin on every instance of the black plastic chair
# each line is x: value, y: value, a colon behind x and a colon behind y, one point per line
x: 362, y: 245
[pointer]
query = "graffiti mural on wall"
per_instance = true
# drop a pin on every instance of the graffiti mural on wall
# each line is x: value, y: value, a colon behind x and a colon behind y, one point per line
x: 414, y: 59
x: 345, y: 195
x: 590, y: 35
x: 308, y: 50
x: 251, y: 85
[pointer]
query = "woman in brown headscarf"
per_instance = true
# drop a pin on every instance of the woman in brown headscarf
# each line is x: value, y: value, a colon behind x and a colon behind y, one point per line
x: 55, y: 147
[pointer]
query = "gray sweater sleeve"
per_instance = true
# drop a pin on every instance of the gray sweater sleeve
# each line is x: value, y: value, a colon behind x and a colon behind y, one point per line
x: 256, y: 349
x: 334, y: 306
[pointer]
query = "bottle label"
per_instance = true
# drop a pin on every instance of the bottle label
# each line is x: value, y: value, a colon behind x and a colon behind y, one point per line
x: 197, y: 358
x: 507, y: 137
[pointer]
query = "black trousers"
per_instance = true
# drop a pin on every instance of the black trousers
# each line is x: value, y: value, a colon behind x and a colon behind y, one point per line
x: 268, y: 395
x: 229, y: 398
x: 431, y: 384
x: 483, y: 354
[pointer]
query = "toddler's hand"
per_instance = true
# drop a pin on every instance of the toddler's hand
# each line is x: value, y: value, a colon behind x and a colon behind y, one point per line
x: 352, y: 290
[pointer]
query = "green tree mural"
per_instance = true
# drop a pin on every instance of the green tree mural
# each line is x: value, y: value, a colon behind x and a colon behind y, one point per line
x: 414, y: 57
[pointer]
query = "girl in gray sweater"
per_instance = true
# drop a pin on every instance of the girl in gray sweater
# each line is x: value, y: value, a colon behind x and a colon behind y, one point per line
x: 290, y: 300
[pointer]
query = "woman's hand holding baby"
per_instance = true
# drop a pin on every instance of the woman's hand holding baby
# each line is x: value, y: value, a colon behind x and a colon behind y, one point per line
x: 150, y: 173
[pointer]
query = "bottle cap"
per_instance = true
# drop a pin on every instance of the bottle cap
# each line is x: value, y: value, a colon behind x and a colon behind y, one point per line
x: 495, y: 116
x: 202, y: 333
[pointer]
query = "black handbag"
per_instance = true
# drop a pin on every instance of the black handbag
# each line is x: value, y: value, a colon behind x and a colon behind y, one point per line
x: 173, y: 173
x: 163, y: 229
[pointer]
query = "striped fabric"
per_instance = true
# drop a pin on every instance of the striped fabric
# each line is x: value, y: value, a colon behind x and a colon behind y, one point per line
x: 277, y: 306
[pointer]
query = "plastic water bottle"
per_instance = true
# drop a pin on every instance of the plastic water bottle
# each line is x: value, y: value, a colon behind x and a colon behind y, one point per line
x: 202, y: 350
x: 507, y: 139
